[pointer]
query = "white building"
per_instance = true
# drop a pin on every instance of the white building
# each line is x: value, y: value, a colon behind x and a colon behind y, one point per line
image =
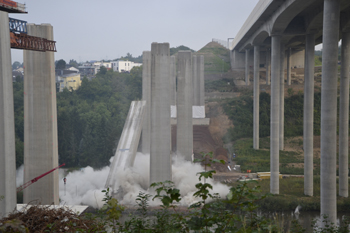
x: 108, y: 65
x: 124, y: 66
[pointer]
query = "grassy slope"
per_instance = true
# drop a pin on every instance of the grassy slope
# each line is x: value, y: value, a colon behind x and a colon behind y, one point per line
x: 216, y: 58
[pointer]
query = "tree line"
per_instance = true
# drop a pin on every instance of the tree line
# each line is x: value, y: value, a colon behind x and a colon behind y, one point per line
x: 89, y: 120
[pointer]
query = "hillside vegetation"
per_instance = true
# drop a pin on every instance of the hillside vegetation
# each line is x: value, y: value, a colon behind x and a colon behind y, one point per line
x: 216, y: 58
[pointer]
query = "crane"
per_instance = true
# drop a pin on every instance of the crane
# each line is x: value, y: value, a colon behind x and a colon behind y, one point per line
x: 25, y: 185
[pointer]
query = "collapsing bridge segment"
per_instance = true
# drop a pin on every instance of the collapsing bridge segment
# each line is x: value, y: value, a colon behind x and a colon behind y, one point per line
x: 126, y: 151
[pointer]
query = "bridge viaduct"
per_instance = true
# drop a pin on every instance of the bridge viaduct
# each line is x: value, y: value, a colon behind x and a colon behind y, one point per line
x: 277, y: 30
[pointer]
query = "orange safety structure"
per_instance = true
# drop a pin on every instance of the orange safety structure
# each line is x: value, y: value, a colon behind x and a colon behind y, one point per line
x: 12, y: 6
x: 24, y: 41
x: 8, y: 3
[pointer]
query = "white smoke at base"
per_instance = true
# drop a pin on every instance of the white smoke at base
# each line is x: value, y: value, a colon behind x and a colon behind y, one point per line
x: 84, y: 187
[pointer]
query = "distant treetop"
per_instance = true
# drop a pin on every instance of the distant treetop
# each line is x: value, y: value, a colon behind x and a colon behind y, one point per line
x: 177, y: 49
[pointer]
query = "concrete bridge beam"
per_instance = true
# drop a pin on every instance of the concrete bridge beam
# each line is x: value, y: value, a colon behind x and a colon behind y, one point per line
x: 256, y: 97
x: 308, y: 127
x: 329, y: 108
x: 275, y: 112
x: 344, y: 116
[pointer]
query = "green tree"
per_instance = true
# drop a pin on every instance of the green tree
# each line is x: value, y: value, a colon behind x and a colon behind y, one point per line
x: 16, y: 65
x: 61, y: 64
x: 73, y: 63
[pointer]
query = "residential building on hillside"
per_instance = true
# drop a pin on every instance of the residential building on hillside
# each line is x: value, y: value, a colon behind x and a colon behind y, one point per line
x: 88, y: 69
x: 124, y: 66
x: 70, y: 81
x: 108, y: 65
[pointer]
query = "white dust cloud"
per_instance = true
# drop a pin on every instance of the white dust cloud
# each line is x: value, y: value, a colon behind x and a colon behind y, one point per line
x: 83, y: 187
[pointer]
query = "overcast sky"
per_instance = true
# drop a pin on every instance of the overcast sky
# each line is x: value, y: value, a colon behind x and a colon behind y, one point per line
x: 87, y: 30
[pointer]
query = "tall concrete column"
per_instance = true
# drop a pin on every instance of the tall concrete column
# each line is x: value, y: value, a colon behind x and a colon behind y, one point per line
x: 7, y: 125
x: 275, y: 112
x: 281, y: 128
x: 172, y: 80
x: 40, y: 121
x: 344, y: 116
x: 329, y: 108
x: 289, y: 68
x: 200, y: 73
x: 247, y: 82
x: 195, y: 81
x: 146, y: 95
x: 256, y: 97
x: 309, y: 114
x: 268, y: 66
x: 160, y: 162
x: 184, y: 136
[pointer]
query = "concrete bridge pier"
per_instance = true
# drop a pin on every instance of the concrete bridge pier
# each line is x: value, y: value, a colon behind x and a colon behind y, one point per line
x: 308, y: 127
x: 275, y: 112
x: 172, y: 80
x: 195, y: 81
x: 200, y: 73
x: 268, y: 66
x: 146, y: 95
x: 344, y: 116
x: 281, y: 119
x: 160, y: 161
x: 40, y: 121
x: 247, y: 82
x: 329, y: 108
x: 289, y: 68
x: 184, y: 136
x: 7, y: 125
x: 256, y: 98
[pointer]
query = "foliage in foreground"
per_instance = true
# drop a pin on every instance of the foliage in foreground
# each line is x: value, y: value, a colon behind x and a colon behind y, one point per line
x: 236, y: 213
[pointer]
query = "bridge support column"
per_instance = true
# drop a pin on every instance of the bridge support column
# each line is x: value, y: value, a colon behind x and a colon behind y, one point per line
x: 200, y: 73
x: 173, y: 80
x: 146, y: 95
x: 7, y: 125
x: 329, y: 108
x: 289, y: 68
x: 160, y: 162
x: 344, y: 116
x: 275, y: 113
x: 247, y: 82
x: 268, y: 66
x: 309, y: 114
x: 256, y: 98
x: 184, y: 135
x: 281, y: 128
x: 40, y: 121
x: 195, y: 81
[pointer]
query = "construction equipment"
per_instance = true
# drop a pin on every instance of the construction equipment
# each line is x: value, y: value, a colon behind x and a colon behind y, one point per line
x: 25, y: 185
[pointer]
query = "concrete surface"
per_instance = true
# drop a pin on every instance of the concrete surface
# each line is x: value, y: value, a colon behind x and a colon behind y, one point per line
x: 124, y: 156
x: 160, y: 161
x: 184, y: 136
x: 329, y: 109
x: 40, y: 121
x: 146, y: 96
x: 7, y: 125
x: 308, y: 128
